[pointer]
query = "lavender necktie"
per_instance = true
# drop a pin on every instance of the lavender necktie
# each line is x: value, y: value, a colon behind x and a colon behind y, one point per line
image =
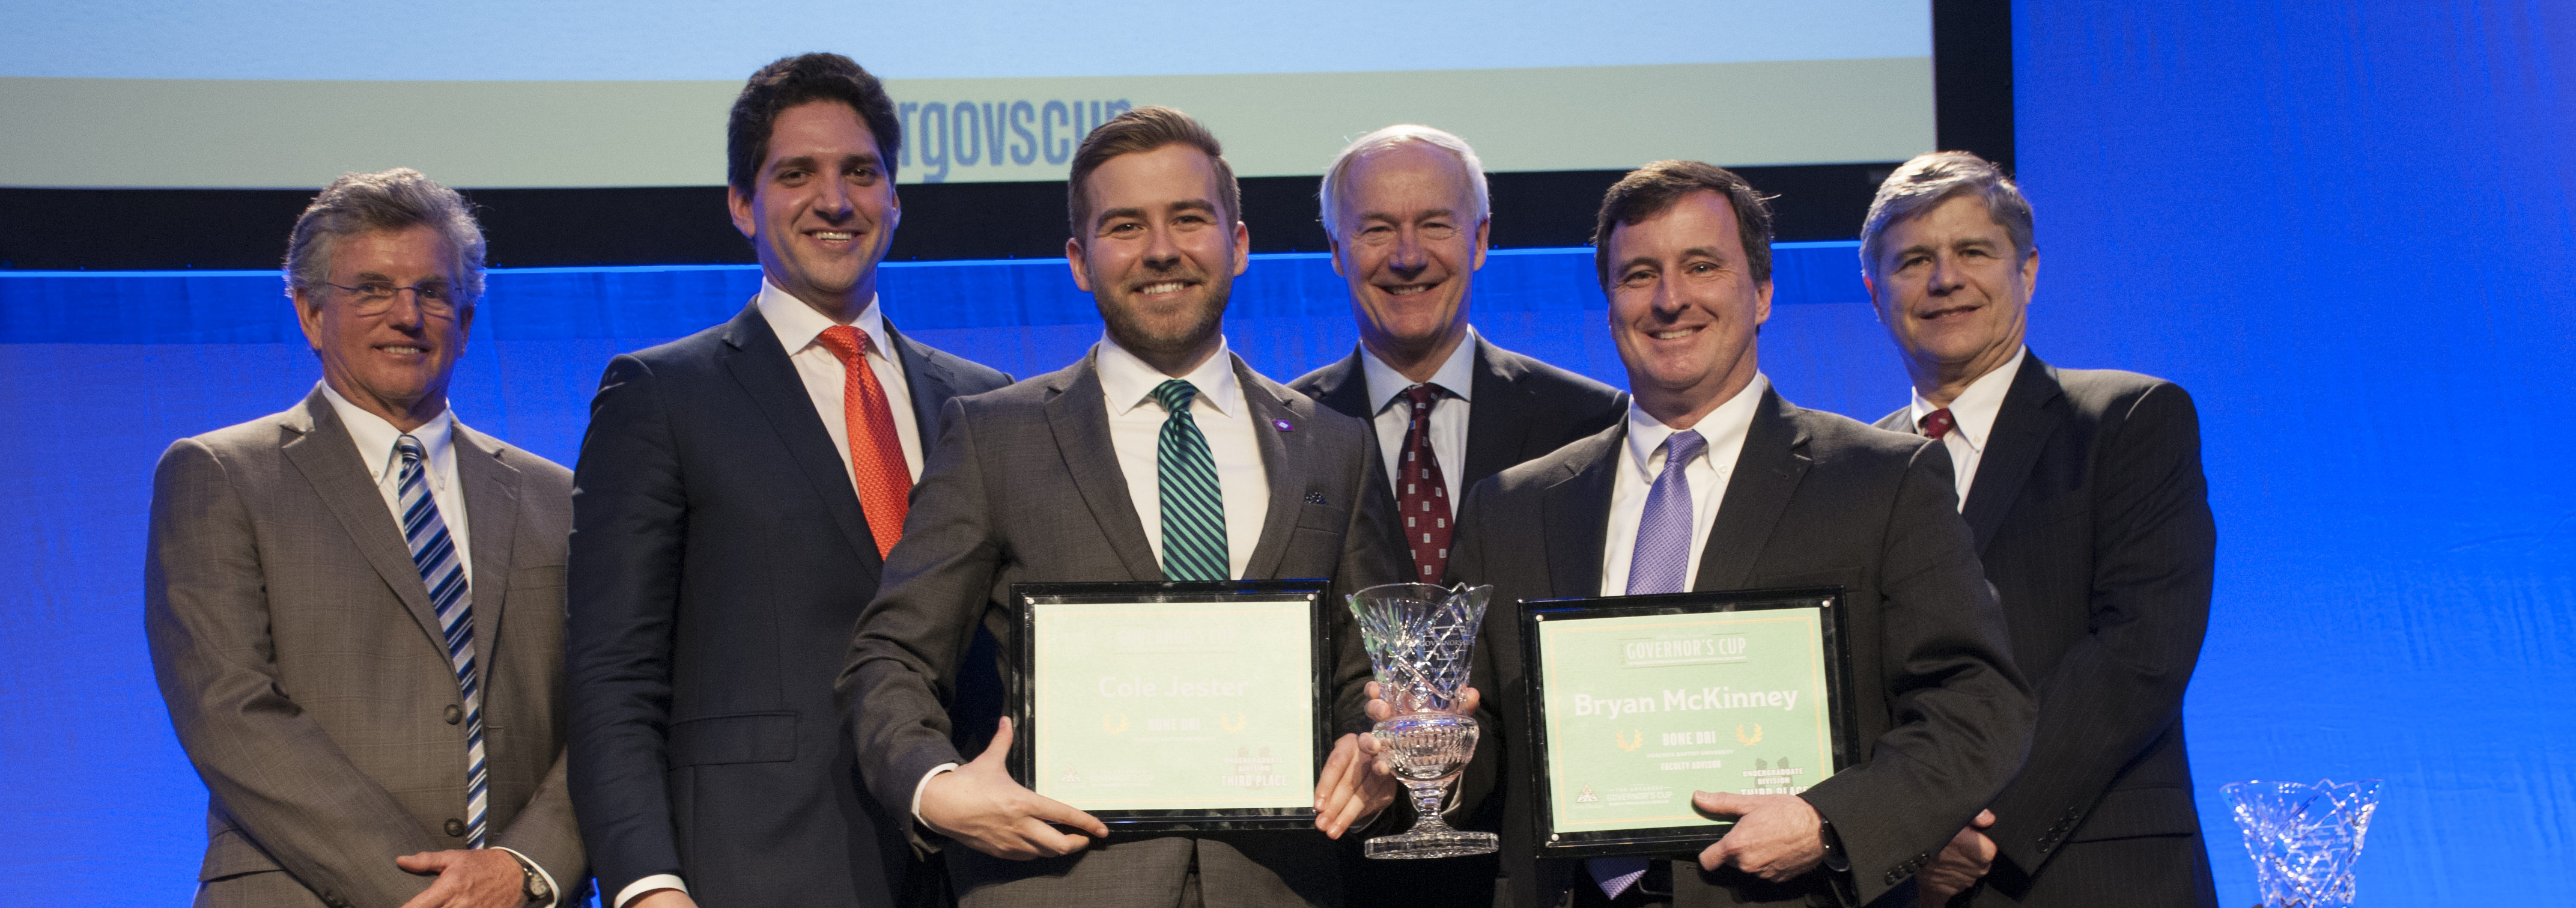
x: 1659, y: 564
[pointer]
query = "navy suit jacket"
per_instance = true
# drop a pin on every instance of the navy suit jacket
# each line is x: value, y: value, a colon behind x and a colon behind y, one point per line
x: 1518, y: 408
x: 2092, y: 520
x: 719, y: 559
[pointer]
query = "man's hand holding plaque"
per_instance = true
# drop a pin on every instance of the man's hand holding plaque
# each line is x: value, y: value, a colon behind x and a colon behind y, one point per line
x: 1776, y: 837
x: 980, y: 805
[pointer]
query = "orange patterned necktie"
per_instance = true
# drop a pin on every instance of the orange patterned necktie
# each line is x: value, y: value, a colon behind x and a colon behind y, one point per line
x: 876, y: 455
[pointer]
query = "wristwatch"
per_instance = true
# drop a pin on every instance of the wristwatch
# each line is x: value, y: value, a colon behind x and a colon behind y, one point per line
x: 533, y: 885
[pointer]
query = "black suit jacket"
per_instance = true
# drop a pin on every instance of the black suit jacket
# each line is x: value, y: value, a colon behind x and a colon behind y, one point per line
x: 719, y: 558
x: 2092, y: 519
x: 1518, y: 408
x: 1815, y: 500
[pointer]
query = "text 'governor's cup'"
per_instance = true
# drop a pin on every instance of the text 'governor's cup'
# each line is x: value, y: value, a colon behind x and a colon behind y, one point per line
x: 1421, y: 640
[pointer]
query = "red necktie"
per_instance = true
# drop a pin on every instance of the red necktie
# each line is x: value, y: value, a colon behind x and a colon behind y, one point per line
x: 1938, y: 423
x: 1424, y: 491
x: 876, y: 455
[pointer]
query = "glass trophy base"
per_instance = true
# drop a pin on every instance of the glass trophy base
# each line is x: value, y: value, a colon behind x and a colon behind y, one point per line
x: 1440, y: 843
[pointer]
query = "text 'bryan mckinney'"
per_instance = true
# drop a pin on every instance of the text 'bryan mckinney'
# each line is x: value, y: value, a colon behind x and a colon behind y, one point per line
x: 1673, y: 701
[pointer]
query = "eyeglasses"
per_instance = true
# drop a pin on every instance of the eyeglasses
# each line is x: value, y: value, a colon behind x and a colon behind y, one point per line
x: 374, y: 297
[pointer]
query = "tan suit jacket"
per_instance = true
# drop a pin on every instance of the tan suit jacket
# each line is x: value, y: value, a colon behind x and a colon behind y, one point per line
x: 300, y: 657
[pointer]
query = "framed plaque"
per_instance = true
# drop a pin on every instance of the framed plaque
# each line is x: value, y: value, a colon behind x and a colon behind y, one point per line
x: 1637, y: 701
x: 1174, y: 706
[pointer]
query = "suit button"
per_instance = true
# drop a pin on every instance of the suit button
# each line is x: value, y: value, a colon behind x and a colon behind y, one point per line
x: 456, y: 828
x: 454, y: 715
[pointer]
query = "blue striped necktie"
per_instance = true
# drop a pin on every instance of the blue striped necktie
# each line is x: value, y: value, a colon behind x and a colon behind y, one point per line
x: 1659, y: 564
x: 434, y: 553
x: 1193, y: 505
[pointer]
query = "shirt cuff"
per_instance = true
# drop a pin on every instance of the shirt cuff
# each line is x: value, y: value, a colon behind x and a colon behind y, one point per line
x: 638, y: 888
x: 925, y: 783
x: 551, y: 900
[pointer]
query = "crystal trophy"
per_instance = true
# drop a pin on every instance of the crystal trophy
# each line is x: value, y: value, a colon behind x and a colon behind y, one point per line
x: 1421, y: 640
x: 2304, y: 838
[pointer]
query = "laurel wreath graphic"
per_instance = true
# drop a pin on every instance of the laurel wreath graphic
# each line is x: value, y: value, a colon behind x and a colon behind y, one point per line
x: 1232, y: 723
x: 1114, y: 724
x: 1755, y: 738
x: 1626, y: 744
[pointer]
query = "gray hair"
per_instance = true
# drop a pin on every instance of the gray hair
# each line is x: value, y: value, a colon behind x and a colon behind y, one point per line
x: 358, y: 203
x: 1391, y: 137
x: 1931, y: 179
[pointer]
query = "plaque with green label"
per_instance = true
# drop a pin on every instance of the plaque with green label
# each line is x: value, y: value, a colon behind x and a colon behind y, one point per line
x: 1174, y: 706
x: 1638, y: 701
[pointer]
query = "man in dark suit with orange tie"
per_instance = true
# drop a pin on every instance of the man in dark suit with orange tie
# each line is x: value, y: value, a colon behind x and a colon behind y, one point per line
x: 735, y: 498
x: 2084, y: 490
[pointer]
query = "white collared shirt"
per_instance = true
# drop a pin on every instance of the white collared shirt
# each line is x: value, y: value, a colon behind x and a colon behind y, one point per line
x: 798, y: 326
x: 375, y: 440
x: 1643, y: 459
x: 1223, y: 416
x: 1448, y: 415
x: 1973, y: 420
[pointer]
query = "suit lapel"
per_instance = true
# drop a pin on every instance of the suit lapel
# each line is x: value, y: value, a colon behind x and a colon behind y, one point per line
x: 1766, y: 474
x: 323, y: 452
x: 1344, y: 389
x: 492, y: 515
x: 760, y: 364
x: 931, y: 383
x: 1286, y: 457
x: 1575, y: 513
x: 1498, y: 424
x: 2022, y: 427
x: 1078, y: 416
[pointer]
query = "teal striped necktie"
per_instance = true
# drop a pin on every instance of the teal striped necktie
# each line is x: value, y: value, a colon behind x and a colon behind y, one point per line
x: 1185, y: 477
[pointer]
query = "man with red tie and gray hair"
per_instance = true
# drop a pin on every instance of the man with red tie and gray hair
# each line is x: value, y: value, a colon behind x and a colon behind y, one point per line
x: 2084, y: 490
x: 734, y: 501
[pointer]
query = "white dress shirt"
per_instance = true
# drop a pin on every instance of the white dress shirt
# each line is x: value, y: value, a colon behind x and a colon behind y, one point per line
x: 375, y: 439
x: 1448, y: 415
x: 1723, y: 429
x: 1973, y: 420
x: 798, y: 326
x: 1224, y: 417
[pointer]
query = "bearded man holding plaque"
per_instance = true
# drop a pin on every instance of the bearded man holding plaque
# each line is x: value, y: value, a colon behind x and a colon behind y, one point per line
x: 1713, y: 482
x: 1160, y: 456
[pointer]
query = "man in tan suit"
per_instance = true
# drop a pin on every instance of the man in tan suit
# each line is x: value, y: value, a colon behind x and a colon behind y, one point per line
x: 356, y: 606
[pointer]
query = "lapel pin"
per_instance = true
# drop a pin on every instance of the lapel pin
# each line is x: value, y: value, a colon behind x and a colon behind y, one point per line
x: 1282, y: 425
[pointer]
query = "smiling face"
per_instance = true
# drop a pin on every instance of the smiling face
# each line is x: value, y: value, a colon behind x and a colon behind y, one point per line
x: 1159, y: 256
x: 822, y: 209
x: 395, y: 363
x: 1409, y: 249
x: 1683, y: 308
x: 1948, y: 289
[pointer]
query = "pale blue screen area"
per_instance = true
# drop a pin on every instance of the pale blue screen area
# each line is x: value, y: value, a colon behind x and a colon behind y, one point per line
x: 694, y: 39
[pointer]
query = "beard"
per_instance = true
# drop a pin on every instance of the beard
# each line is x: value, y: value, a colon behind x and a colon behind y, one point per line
x: 1163, y: 333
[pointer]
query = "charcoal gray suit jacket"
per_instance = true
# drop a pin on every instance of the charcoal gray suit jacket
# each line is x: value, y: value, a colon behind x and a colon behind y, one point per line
x: 1025, y: 487
x: 1518, y: 407
x: 2092, y: 519
x: 307, y: 677
x: 1941, y: 714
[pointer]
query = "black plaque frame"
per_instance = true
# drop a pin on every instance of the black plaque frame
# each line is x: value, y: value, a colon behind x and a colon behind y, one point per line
x: 1023, y: 694
x: 1670, y: 841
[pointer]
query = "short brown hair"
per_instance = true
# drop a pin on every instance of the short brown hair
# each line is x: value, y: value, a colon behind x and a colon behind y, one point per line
x: 791, y: 81
x: 1655, y: 188
x: 1136, y: 132
x: 396, y: 199
x: 1927, y: 181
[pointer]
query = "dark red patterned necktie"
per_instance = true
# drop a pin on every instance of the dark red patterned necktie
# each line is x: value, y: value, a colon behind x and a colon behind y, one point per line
x: 1422, y: 492
x: 1938, y: 423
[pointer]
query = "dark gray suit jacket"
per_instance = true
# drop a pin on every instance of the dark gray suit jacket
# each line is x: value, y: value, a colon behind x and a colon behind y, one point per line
x: 305, y: 672
x: 2092, y: 519
x: 1815, y: 500
x: 1519, y: 408
x: 1025, y: 487
x: 719, y: 560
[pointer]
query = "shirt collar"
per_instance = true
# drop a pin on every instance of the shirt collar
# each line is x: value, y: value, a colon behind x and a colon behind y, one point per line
x: 375, y: 438
x: 1973, y: 414
x: 1722, y: 429
x: 797, y: 324
x: 1129, y: 383
x: 1457, y: 374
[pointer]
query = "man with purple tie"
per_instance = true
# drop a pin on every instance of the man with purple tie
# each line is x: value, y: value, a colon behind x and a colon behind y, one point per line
x: 1714, y: 482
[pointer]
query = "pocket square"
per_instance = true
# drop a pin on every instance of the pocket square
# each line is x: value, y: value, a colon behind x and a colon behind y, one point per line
x: 1315, y: 498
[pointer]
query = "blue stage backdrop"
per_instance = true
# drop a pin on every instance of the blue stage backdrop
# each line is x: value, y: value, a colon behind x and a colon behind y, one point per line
x: 2344, y: 228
